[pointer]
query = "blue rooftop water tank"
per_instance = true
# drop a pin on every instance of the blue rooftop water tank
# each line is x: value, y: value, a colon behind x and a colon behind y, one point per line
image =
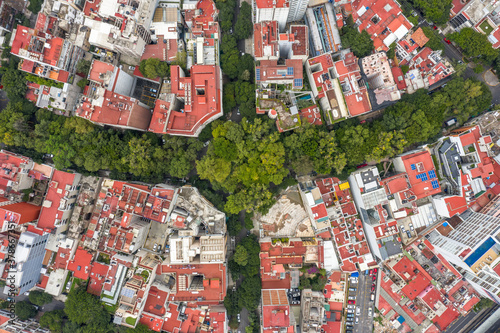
x: 445, y: 224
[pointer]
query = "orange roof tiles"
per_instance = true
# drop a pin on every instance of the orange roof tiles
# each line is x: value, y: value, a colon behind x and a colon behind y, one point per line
x: 419, y: 37
x: 202, y: 94
x: 81, y: 264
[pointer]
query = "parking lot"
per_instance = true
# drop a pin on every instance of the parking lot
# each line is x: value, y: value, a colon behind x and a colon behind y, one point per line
x: 364, y: 306
x: 293, y: 296
x: 407, y: 230
x: 157, y: 235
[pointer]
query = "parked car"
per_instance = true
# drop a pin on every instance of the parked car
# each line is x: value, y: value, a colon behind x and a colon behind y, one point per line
x: 358, y: 311
x: 350, y: 311
x: 375, y: 270
x: 239, y: 318
x: 349, y: 319
x: 155, y: 247
x: 357, y: 320
x: 350, y: 315
x: 374, y: 277
x: 352, y: 289
x: 351, y: 302
x: 408, y: 233
x: 403, y: 228
x: 447, y: 40
x: 411, y: 227
x: 131, y: 68
x: 352, y: 297
x: 373, y: 288
x: 370, y: 312
x: 371, y: 271
x: 350, y: 306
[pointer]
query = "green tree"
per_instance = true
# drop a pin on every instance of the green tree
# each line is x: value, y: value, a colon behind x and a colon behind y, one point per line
x: 82, y: 83
x: 437, y: 11
x: 40, y: 298
x: 360, y: 44
x: 478, y: 69
x: 153, y: 68
x: 180, y: 60
x: 228, y: 43
x: 140, y: 328
x: 243, y: 27
x: 25, y: 310
x: 474, y: 44
x: 83, y: 66
x: 241, y: 255
x: 53, y: 320
x: 434, y: 39
x: 94, y: 315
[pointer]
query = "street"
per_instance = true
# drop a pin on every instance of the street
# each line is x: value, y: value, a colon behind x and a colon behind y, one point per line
x: 54, y: 305
x: 363, y: 302
x: 452, y: 53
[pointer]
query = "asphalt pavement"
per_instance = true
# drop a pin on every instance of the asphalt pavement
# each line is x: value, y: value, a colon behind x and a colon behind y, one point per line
x: 362, y: 293
x: 54, y: 305
x: 3, y: 99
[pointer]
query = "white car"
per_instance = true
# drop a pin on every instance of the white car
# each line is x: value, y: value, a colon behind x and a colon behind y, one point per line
x: 357, y: 320
x: 239, y: 318
x: 370, y: 312
x: 411, y: 227
x: 358, y: 311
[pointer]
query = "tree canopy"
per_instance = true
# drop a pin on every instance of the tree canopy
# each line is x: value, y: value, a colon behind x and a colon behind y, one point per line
x: 53, y: 320
x: 474, y: 44
x: 25, y: 310
x: 360, y: 44
x: 243, y: 159
x: 243, y: 27
x: 434, y: 39
x: 40, y: 298
x: 437, y: 11
x: 153, y: 68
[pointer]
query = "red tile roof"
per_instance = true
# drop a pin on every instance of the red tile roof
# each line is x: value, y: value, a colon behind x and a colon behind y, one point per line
x: 399, y: 77
x: 312, y: 114
x: 422, y: 162
x: 379, y: 18
x: 265, y: 36
x: 415, y: 286
x: 204, y: 104
x: 357, y: 99
x: 55, y: 194
x: 271, y: 4
x: 18, y: 213
x: 81, y: 264
x: 270, y: 71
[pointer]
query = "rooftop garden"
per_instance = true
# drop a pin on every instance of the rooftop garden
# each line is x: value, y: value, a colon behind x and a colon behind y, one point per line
x: 486, y: 27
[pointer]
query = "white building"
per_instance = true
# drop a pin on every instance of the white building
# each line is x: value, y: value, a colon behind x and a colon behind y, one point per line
x: 271, y: 10
x: 297, y: 10
x: 470, y: 242
x: 29, y: 255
